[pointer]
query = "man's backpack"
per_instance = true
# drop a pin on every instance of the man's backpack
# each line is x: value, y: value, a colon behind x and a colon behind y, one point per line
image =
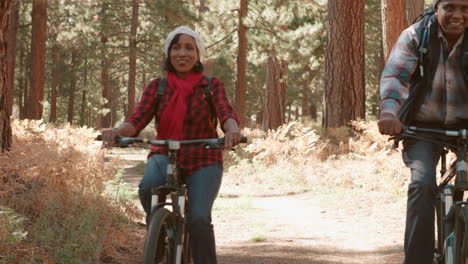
x: 207, y: 95
x: 421, y: 81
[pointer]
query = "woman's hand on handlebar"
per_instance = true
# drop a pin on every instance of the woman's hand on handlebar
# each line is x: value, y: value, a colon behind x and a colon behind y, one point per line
x: 231, y: 139
x: 389, y: 126
x: 108, y: 137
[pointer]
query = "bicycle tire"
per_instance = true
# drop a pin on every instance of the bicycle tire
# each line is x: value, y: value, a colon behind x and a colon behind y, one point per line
x: 461, y: 235
x: 160, y: 242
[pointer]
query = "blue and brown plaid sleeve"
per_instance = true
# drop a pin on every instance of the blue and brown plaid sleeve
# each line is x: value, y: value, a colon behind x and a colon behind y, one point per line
x: 401, y: 64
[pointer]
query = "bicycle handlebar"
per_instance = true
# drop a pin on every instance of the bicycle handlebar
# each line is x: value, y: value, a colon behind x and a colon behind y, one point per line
x: 412, y: 132
x: 213, y: 143
x: 462, y: 133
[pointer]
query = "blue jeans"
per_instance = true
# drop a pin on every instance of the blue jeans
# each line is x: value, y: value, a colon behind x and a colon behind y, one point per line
x: 422, y: 158
x: 202, y: 189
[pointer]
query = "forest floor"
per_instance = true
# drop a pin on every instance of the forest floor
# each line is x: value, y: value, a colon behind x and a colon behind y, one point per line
x: 334, y: 226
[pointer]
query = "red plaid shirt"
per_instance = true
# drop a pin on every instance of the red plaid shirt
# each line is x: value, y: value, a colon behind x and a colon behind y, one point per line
x: 198, y: 122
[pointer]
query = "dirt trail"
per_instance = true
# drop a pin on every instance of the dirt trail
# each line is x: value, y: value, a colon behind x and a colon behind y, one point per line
x: 308, y: 228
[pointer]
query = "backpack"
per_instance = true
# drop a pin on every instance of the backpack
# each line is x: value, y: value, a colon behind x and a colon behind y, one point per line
x: 207, y: 95
x: 421, y: 81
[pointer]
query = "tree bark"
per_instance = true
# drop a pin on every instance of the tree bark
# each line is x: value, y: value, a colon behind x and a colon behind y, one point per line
x: 53, y: 97
x: 71, y: 98
x: 22, y: 82
x: 132, y: 58
x: 208, y: 66
x: 5, y: 126
x: 392, y: 23
x: 13, y: 23
x: 344, y: 65
x: 105, y: 117
x: 84, y: 94
x: 241, y: 81
x: 413, y: 9
x: 305, y: 99
x: 38, y: 51
x: 275, y: 103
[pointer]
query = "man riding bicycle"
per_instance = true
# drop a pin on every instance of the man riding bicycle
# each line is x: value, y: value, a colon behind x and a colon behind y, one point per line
x: 425, y: 84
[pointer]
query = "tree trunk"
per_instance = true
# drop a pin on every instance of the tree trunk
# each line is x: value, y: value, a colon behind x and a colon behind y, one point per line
x: 13, y: 23
x: 208, y: 66
x: 413, y: 9
x: 5, y: 126
x: 305, y: 99
x: 84, y: 94
x: 71, y: 98
x: 392, y: 23
x: 53, y: 97
x: 133, y: 56
x: 105, y: 117
x: 38, y: 50
x: 313, y: 112
x: 274, y: 110
x: 241, y: 82
x: 22, y: 89
x: 344, y: 66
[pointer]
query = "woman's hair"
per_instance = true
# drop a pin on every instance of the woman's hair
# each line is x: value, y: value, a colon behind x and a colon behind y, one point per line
x: 167, y: 63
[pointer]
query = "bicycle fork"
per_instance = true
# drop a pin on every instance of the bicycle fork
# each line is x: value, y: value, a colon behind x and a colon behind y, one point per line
x: 447, y: 200
x: 180, y: 216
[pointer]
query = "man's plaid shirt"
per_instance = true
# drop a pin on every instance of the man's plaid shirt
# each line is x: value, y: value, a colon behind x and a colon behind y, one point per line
x: 198, y: 122
x: 447, y: 103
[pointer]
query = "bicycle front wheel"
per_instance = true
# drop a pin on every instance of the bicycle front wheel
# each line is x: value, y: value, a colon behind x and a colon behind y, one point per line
x: 160, y: 239
x: 461, y: 235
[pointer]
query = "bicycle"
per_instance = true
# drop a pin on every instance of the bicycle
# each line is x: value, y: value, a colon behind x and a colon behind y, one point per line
x: 451, y: 209
x: 167, y: 239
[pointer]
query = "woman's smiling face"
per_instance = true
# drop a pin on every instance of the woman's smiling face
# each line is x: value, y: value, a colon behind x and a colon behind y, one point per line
x: 452, y: 16
x: 183, y: 55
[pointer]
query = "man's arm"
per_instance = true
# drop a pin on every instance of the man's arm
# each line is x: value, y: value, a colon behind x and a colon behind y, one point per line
x: 394, y: 83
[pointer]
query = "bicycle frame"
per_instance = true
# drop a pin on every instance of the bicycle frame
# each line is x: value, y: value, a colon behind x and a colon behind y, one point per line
x: 178, y: 193
x: 452, y: 185
x: 174, y: 187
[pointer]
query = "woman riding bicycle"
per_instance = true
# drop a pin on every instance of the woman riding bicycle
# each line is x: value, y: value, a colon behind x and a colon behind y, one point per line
x: 184, y: 111
x: 437, y: 97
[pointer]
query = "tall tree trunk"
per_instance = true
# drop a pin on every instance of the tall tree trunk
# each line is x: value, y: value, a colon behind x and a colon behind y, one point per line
x: 413, y: 9
x: 392, y: 23
x: 38, y: 51
x: 133, y: 56
x: 105, y: 117
x: 313, y: 111
x: 53, y: 97
x: 22, y: 80
x: 305, y: 99
x: 71, y: 98
x: 84, y: 94
x: 344, y: 66
x: 274, y: 110
x: 208, y: 66
x: 5, y: 126
x: 241, y: 81
x: 13, y: 23
x: 114, y: 103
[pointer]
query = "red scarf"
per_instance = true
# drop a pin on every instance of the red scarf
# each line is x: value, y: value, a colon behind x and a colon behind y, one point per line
x: 171, y: 124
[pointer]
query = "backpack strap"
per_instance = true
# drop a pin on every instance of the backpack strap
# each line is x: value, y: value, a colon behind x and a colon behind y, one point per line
x: 208, y: 95
x: 421, y: 80
x: 161, y: 86
x: 464, y: 57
